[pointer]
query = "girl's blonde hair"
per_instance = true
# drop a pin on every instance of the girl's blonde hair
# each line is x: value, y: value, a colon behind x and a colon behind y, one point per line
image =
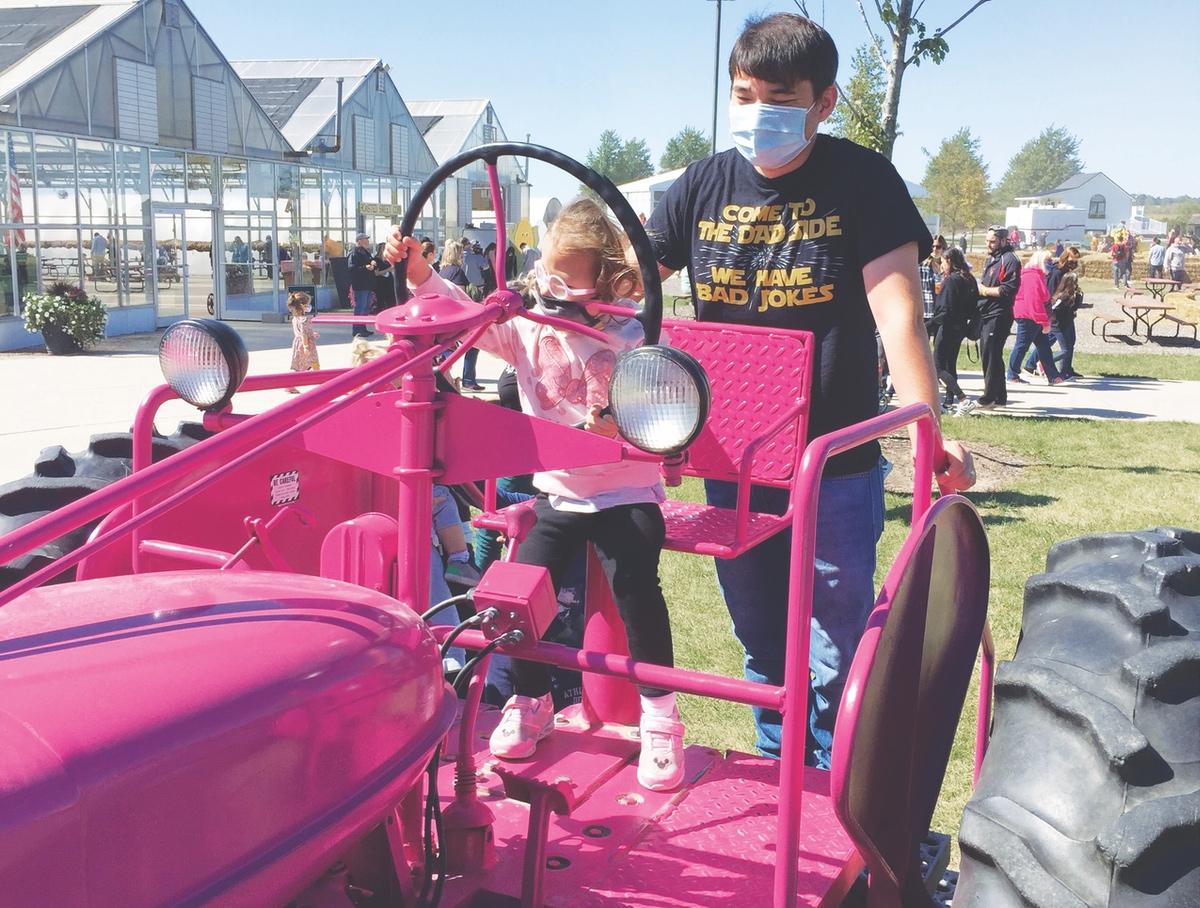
x: 298, y: 302
x: 363, y: 351
x: 582, y: 228
x: 452, y: 252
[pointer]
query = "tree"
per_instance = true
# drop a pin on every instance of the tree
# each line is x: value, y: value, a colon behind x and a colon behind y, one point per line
x: 1040, y: 165
x: 859, y: 114
x: 618, y: 160
x: 685, y: 146
x: 898, y: 21
x: 956, y: 180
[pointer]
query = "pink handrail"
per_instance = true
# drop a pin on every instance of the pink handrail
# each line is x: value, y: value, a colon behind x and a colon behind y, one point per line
x: 279, y: 422
x: 983, y: 720
x: 805, y: 494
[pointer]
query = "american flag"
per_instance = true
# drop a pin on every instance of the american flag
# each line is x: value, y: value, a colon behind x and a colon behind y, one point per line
x: 16, y: 214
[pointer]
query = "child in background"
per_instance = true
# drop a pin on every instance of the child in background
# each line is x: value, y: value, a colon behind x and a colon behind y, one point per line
x: 447, y: 525
x: 563, y: 376
x: 304, y: 338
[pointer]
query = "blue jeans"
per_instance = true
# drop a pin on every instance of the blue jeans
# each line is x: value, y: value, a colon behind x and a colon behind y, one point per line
x: 1030, y: 332
x: 362, y: 305
x: 468, y: 361
x: 755, y: 587
x: 1064, y: 336
x: 456, y: 656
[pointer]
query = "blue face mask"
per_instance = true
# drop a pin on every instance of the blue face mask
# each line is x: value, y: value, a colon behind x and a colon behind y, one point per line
x: 768, y: 136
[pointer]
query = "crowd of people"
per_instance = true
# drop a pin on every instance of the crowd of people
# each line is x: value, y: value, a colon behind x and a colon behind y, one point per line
x: 1040, y: 297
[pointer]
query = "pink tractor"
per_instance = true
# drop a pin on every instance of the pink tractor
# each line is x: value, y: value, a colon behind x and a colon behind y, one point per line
x: 238, y: 698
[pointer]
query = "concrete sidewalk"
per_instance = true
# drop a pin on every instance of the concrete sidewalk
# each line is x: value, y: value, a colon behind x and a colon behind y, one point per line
x: 52, y: 400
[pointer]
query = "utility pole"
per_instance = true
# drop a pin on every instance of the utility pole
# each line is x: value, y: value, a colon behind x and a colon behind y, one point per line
x: 716, y: 75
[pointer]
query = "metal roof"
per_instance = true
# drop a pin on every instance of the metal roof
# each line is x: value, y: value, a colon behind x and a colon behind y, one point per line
x: 450, y: 124
x: 300, y: 96
x: 36, y: 36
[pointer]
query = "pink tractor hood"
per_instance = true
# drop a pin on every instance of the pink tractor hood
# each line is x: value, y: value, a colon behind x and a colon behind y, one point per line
x: 203, y: 736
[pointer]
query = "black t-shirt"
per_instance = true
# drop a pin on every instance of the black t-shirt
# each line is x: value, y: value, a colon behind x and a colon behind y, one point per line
x: 789, y: 253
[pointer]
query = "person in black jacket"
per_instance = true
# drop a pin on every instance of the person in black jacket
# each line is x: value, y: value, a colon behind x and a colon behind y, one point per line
x: 997, y: 290
x: 953, y: 311
x: 362, y: 267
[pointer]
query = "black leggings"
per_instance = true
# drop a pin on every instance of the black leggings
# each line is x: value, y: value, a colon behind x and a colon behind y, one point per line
x: 628, y: 539
x: 945, y: 356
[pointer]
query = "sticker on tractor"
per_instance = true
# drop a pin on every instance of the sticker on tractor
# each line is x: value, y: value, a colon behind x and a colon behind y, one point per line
x: 285, y: 487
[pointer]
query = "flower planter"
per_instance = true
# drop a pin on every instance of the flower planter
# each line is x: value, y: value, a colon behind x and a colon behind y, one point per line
x: 58, y: 342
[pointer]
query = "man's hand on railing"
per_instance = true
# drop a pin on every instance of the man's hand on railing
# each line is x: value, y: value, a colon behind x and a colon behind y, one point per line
x: 957, y: 472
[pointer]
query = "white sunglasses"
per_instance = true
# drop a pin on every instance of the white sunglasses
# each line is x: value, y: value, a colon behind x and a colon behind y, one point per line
x: 554, y: 286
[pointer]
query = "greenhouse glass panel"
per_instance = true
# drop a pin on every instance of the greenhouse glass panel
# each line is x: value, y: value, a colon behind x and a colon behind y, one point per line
x: 133, y: 183
x: 166, y: 176
x: 201, y: 182
x: 97, y: 183
x: 55, y: 169
x: 234, y: 184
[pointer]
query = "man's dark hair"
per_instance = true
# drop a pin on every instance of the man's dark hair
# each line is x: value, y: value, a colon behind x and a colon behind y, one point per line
x: 786, y: 49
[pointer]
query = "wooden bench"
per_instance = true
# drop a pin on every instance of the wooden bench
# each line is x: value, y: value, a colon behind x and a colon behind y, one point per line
x: 1129, y: 294
x: 1180, y: 322
x: 1106, y: 321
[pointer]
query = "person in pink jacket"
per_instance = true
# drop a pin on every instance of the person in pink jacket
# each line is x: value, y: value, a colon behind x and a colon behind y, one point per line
x: 563, y: 375
x: 1032, y: 314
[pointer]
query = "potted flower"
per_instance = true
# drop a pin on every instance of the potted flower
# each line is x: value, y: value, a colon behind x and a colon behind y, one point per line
x: 67, y: 317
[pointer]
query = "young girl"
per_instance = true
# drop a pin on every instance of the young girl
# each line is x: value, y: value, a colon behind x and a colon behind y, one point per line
x: 563, y: 376
x: 952, y: 312
x: 1065, y: 299
x: 304, y: 338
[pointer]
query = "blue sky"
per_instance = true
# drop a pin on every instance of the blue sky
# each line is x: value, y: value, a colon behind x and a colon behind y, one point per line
x: 563, y: 71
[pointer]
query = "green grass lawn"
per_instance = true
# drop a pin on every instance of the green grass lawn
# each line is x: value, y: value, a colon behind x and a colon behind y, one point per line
x: 1163, y: 367
x: 1074, y: 478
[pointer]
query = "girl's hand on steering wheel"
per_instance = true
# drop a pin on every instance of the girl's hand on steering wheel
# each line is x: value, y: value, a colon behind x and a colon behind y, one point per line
x: 601, y: 425
x: 397, y: 249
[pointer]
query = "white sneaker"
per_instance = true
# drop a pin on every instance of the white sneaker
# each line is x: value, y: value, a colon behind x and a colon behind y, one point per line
x: 966, y: 408
x: 525, y: 721
x: 660, y: 764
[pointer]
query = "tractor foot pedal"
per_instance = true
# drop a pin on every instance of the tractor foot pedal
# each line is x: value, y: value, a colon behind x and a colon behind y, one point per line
x: 543, y: 799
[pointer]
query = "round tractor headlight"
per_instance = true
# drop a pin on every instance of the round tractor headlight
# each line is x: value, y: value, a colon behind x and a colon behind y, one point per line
x: 659, y: 398
x: 204, y: 361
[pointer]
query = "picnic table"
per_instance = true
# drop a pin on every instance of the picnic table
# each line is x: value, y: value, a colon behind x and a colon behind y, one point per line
x: 1139, y: 312
x: 1158, y: 286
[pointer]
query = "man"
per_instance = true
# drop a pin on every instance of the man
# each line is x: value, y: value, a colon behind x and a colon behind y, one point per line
x: 529, y: 257
x: 928, y: 273
x: 795, y: 230
x: 268, y: 254
x: 1156, y: 256
x: 474, y: 263
x: 997, y: 290
x: 362, y: 280
x: 99, y: 255
x: 1120, y: 263
x: 1174, y: 259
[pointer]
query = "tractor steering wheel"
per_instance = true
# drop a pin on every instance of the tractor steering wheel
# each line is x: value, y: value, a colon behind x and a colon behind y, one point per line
x: 650, y: 315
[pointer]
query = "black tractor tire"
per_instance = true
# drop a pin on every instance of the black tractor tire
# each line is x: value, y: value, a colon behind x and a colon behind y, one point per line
x: 1089, y: 796
x: 60, y: 478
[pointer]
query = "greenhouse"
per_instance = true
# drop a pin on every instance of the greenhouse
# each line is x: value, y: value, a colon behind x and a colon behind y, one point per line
x: 171, y: 182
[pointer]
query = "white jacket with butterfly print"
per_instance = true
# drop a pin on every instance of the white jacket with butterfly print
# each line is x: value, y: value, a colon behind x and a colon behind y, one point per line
x: 560, y: 374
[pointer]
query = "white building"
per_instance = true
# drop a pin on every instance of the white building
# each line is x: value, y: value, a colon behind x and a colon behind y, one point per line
x: 1085, y: 203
